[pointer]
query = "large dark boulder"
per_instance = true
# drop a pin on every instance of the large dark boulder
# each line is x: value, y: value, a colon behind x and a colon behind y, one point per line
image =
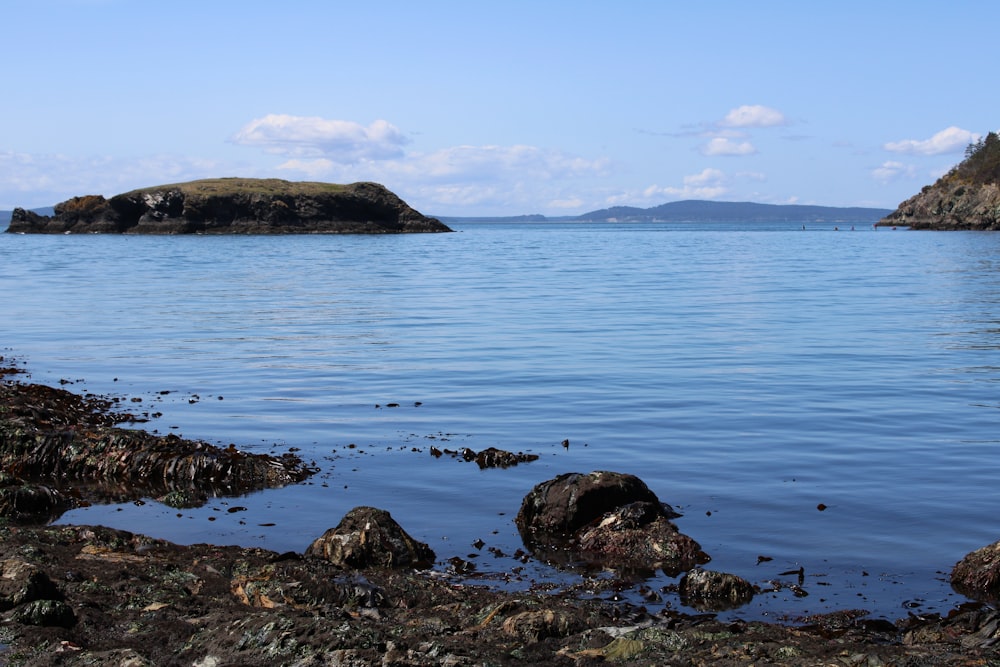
x: 565, y: 504
x: 369, y: 537
x: 234, y: 206
x: 608, y: 518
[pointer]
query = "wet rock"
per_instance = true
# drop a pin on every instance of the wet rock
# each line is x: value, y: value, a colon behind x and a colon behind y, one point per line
x: 977, y: 575
x: 715, y: 591
x: 285, y: 585
x: 62, y: 450
x: 21, y: 582
x: 499, y: 458
x: 607, y: 518
x: 370, y: 537
x: 46, y: 613
x: 23, y: 502
x: 565, y: 504
x: 536, y: 625
x: 639, y: 536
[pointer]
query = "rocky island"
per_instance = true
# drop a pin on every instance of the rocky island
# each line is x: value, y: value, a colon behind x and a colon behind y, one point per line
x: 967, y: 197
x: 234, y: 206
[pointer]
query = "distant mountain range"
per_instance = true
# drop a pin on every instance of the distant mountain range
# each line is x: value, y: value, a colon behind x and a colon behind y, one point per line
x: 724, y: 211
x: 696, y: 210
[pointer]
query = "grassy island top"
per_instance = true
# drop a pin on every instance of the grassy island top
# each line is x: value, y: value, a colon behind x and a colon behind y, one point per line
x: 244, y: 186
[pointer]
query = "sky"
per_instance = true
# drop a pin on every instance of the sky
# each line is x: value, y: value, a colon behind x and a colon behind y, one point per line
x: 468, y: 108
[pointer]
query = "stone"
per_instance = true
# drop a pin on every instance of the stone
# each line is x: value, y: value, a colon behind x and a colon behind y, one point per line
x: 639, y: 536
x: 606, y: 518
x: 536, y: 625
x: 45, y: 613
x: 21, y: 582
x: 368, y: 537
x: 565, y: 504
x: 708, y: 590
x: 977, y: 575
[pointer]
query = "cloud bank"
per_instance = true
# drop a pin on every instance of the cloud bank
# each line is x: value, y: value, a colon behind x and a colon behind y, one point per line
x: 340, y: 141
x: 754, y: 115
x: 949, y: 140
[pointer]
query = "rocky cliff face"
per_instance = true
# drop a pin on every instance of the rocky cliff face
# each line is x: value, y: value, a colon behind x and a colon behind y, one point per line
x: 950, y: 206
x: 234, y: 206
x: 967, y: 197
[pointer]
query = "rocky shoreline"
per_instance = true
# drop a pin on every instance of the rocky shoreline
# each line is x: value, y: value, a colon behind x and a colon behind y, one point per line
x: 85, y: 595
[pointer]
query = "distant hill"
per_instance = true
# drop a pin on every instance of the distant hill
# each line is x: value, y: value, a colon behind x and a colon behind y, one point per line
x: 721, y: 211
x: 967, y: 197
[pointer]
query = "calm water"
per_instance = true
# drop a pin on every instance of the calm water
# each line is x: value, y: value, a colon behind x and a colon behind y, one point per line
x: 747, y: 374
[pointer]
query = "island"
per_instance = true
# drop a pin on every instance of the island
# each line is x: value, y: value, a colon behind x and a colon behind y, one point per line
x: 234, y: 206
x: 967, y: 197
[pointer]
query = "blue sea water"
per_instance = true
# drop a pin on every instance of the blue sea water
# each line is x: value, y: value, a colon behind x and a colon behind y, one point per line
x: 749, y: 374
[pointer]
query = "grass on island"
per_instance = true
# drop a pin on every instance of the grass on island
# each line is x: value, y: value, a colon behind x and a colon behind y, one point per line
x: 228, y: 186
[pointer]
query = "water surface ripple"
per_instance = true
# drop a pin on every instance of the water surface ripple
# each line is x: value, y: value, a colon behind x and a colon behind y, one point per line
x: 747, y: 374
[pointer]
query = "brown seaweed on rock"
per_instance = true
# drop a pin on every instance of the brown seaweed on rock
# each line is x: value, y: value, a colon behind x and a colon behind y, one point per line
x: 59, y: 450
x: 604, y: 518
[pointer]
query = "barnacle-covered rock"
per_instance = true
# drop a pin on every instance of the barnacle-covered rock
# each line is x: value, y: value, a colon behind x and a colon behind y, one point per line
x: 715, y: 591
x: 370, y: 537
x: 608, y: 518
x: 977, y: 575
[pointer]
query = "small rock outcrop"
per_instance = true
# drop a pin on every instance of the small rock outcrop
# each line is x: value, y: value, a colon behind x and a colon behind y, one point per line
x: 977, y: 575
x: 369, y: 537
x: 708, y: 590
x: 59, y: 450
x: 967, y: 197
x: 234, y: 206
x: 607, y: 518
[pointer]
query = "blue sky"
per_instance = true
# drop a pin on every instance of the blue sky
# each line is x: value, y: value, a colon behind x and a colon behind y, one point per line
x: 475, y: 108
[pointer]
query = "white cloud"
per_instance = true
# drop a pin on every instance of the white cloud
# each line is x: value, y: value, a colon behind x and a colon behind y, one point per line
x: 892, y: 170
x: 469, y: 179
x: 726, y: 146
x: 706, y: 184
x: 754, y: 115
x: 34, y: 180
x: 341, y: 141
x: 949, y: 140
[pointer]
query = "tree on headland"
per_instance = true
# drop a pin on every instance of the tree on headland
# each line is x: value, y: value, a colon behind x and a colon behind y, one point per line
x: 981, y: 164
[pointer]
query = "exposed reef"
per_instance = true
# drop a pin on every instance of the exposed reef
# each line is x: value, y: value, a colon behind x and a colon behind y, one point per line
x: 967, y: 197
x: 60, y: 450
x: 234, y: 206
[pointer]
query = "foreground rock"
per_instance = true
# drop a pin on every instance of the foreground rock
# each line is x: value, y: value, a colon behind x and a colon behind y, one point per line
x: 978, y: 574
x: 59, y: 450
x: 369, y: 537
x: 967, y: 197
x: 606, y: 518
x: 234, y: 206
x: 714, y: 591
x: 78, y: 595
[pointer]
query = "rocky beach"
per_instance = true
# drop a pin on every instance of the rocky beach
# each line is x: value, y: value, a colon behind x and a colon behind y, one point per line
x: 362, y: 593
